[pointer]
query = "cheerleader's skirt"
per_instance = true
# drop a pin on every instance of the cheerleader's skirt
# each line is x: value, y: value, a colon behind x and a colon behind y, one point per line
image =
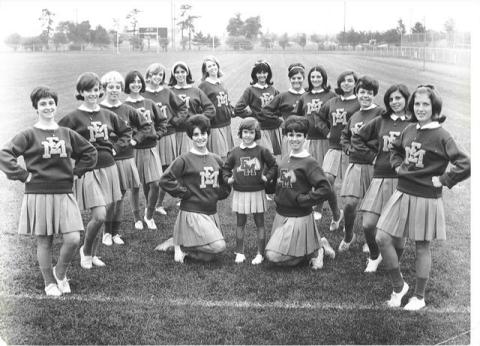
x: 96, y: 188
x: 167, y: 149
x: 148, y: 164
x: 378, y: 194
x: 196, y: 229
x: 249, y: 202
x: 335, y: 163
x: 318, y: 148
x: 272, y: 140
x: 128, y: 174
x: 220, y: 141
x: 183, y: 143
x: 357, y: 180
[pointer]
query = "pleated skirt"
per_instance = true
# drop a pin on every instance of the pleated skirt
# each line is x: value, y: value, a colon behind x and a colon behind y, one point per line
x: 148, y: 164
x: 318, y: 148
x: 357, y: 180
x: 183, y: 143
x: 196, y: 229
x: 416, y: 218
x: 272, y: 140
x: 294, y: 236
x: 128, y: 174
x: 335, y: 163
x: 96, y: 188
x: 249, y: 202
x: 220, y: 141
x: 378, y: 194
x: 49, y: 214
x: 167, y: 149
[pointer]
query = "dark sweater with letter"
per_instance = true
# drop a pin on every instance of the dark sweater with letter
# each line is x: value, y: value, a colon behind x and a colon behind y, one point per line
x: 256, y: 98
x: 197, y: 103
x: 309, y: 105
x: 282, y: 106
x: 218, y: 95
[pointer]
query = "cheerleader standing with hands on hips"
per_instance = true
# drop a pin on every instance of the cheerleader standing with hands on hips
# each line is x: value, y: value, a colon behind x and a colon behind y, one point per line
x: 248, y: 167
x: 420, y: 156
x: 49, y: 206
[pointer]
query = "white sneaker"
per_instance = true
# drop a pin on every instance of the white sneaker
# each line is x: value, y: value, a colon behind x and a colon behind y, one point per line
x: 118, y: 240
x: 167, y: 244
x: 85, y: 261
x: 96, y: 261
x: 327, y: 248
x: 269, y: 198
x: 317, y: 215
x: 365, y: 248
x: 178, y: 204
x: 372, y: 265
x: 258, y: 259
x: 107, y: 239
x: 179, y: 255
x: 317, y: 262
x: 335, y: 224
x: 240, y: 258
x: 62, y: 285
x: 414, y: 304
x: 344, y: 246
x: 150, y: 223
x: 53, y: 290
x: 396, y: 298
x: 161, y: 210
x: 139, y: 225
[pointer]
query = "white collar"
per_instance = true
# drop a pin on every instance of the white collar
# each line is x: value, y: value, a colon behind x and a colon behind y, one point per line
x: 130, y: 99
x: 187, y: 86
x: 293, y: 91
x: 259, y: 86
x: 317, y: 91
x: 213, y: 81
x: 109, y: 105
x: 196, y: 152
x: 351, y: 97
x: 243, y: 146
x: 396, y: 117
x: 303, y: 153
x: 160, y: 88
x: 38, y: 126
x: 372, y: 106
x: 432, y: 125
x: 85, y: 109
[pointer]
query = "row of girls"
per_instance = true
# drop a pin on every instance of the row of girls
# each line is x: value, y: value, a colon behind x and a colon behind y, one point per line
x: 396, y: 169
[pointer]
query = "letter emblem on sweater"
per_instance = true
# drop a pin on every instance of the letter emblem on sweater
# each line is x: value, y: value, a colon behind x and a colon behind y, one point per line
x: 163, y: 109
x: 287, y: 178
x: 339, y: 117
x: 314, y: 106
x: 53, y: 146
x: 356, y: 127
x: 266, y: 98
x: 209, y: 177
x: 249, y: 166
x: 414, y: 155
x: 97, y: 130
x: 222, y: 99
x: 185, y: 98
x: 145, y: 114
x: 388, y: 140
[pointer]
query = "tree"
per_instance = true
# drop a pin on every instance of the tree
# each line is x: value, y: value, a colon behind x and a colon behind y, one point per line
x: 46, y: 20
x: 13, y: 41
x: 268, y: 40
x: 301, y: 40
x: 251, y: 28
x: 187, y: 24
x: 59, y: 38
x: 100, y: 37
x: 319, y: 40
x: 284, y: 41
x: 450, y: 30
x: 418, y: 28
x: 235, y: 26
x: 391, y: 36
x: 239, y: 42
x: 78, y: 34
x: 133, y: 20
x: 212, y: 41
x: 199, y: 40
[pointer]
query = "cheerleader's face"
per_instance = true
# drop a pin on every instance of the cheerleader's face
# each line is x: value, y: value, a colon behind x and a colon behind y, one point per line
x: 136, y: 85
x: 397, y: 102
x: 113, y: 91
x: 348, y: 84
x: 91, y: 96
x: 316, y: 79
x: 422, y: 107
x: 262, y: 77
x: 365, y: 97
x: 296, y: 140
x: 248, y: 136
x: 212, y: 68
x: 199, y: 139
x: 46, y: 108
x: 296, y: 81
x: 180, y: 76
x: 157, y: 78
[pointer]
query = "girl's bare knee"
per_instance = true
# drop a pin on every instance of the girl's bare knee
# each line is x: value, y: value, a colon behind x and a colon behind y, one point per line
x: 99, y: 214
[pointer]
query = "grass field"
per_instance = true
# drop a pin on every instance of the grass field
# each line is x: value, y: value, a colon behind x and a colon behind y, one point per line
x: 143, y: 297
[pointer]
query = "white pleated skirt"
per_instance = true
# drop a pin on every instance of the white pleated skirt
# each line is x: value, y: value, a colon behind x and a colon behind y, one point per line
x: 148, y: 165
x: 196, y: 229
x: 378, y: 194
x: 249, y: 202
x: 167, y: 149
x: 357, y: 180
x: 96, y: 188
x: 220, y: 141
x: 128, y: 174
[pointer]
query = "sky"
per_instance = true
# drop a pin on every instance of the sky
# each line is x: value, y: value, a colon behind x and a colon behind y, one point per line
x: 277, y: 16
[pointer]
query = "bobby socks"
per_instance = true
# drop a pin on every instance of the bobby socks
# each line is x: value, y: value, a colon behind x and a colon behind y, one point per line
x: 396, y: 278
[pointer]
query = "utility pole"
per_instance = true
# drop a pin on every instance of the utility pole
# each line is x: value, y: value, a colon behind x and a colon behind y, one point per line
x: 172, y: 15
x: 424, y: 43
x: 344, y: 19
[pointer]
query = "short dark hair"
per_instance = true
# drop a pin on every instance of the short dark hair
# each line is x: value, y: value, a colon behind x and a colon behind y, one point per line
x: 295, y: 68
x: 435, y: 99
x: 173, y: 80
x: 402, y: 89
x: 87, y: 81
x: 367, y: 83
x: 251, y: 124
x: 200, y: 121
x: 261, y: 66
x: 296, y: 123
x: 323, y: 72
x: 341, y: 78
x: 42, y: 92
x: 130, y: 77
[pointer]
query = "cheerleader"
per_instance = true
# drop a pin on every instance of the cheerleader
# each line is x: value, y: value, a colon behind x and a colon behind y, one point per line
x: 197, y: 102
x: 285, y: 104
x: 195, y: 177
x: 100, y: 189
x: 318, y: 92
x: 220, y: 141
x: 360, y: 169
x: 420, y: 156
x: 301, y: 184
x: 151, y: 128
x: 382, y: 130
x: 48, y: 206
x: 248, y: 167
x: 172, y: 108
x: 336, y: 112
x: 113, y: 85
x: 259, y: 94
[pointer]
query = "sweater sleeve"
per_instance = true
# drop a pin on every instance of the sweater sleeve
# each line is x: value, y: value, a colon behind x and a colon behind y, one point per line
x: 345, y: 138
x: 223, y: 190
x: 227, y: 168
x: 271, y: 164
x: 397, y: 151
x: 169, y: 180
x: 461, y: 165
x: 242, y: 108
x: 208, y: 108
x: 321, y: 188
x: 321, y: 119
x: 9, y: 155
x: 367, y: 135
x: 84, y: 154
x: 159, y: 121
x: 180, y: 109
x: 123, y: 133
